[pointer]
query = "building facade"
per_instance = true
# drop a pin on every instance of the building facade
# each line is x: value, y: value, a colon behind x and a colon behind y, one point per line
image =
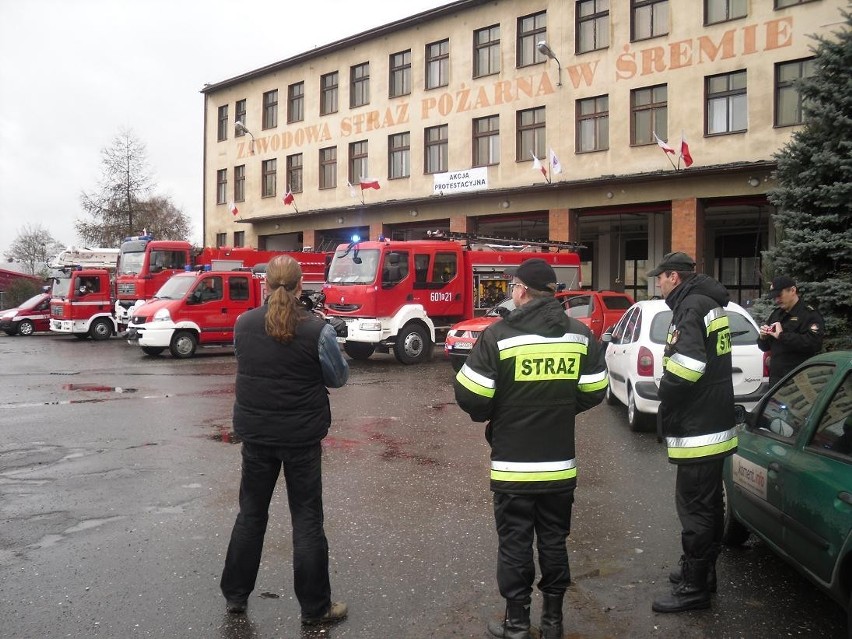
x: 466, y: 122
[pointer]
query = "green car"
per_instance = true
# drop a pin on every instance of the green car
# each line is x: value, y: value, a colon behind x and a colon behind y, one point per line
x: 790, y: 481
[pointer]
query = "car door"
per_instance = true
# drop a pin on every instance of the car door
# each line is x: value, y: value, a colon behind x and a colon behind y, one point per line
x: 818, y: 481
x: 206, y: 307
x: 617, y: 356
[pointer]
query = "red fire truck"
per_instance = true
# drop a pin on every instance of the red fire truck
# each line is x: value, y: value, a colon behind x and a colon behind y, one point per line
x: 404, y: 295
x: 82, y: 303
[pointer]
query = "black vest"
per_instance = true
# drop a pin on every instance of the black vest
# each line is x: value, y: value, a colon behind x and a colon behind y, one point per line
x: 281, y: 399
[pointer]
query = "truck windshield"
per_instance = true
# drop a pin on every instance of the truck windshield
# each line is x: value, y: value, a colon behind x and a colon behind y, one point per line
x: 175, y: 288
x: 130, y: 263
x: 346, y: 270
x: 61, y: 286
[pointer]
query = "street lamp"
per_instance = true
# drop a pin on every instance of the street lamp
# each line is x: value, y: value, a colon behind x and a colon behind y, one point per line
x: 545, y: 50
x: 239, y: 126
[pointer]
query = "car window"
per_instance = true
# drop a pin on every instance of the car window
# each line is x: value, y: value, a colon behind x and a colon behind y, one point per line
x: 742, y: 331
x: 834, y: 432
x: 579, y: 306
x: 660, y: 327
x: 618, y: 331
x: 616, y: 302
x: 788, y: 407
x: 624, y: 329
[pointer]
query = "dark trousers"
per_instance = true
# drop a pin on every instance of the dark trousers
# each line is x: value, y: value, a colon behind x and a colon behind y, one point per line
x: 520, y: 518
x: 700, y: 506
x: 303, y: 477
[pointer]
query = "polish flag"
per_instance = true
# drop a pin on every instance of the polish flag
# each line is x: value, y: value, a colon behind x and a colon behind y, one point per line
x: 369, y: 184
x: 288, y: 197
x: 233, y: 208
x: 665, y: 147
x: 684, y: 151
x: 555, y: 164
x: 537, y: 164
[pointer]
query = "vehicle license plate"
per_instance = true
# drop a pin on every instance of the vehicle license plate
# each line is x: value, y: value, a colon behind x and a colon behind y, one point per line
x: 463, y: 346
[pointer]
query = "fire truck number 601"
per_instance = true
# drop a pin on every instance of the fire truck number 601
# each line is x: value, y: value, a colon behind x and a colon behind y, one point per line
x: 440, y: 297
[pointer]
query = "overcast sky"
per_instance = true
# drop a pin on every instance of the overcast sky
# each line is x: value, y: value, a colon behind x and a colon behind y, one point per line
x: 74, y: 73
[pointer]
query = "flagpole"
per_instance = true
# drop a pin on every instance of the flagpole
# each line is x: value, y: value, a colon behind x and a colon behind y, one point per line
x: 295, y: 208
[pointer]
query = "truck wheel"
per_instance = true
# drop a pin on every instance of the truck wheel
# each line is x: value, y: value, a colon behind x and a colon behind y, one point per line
x: 153, y: 351
x: 26, y: 328
x: 100, y: 329
x: 359, y: 350
x: 412, y: 344
x: 183, y: 344
x: 733, y: 532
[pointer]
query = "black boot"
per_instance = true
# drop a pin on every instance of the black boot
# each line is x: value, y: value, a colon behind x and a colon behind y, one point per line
x: 551, y: 617
x: 691, y: 593
x: 516, y: 622
x: 676, y: 576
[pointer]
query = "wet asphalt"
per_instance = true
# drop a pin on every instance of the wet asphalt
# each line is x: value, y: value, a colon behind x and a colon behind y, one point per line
x: 118, y: 488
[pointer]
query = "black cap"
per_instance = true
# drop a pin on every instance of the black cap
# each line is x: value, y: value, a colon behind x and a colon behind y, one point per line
x: 779, y: 284
x: 673, y: 262
x: 536, y: 273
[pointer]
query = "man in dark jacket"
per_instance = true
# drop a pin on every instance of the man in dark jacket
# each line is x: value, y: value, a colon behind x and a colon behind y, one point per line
x: 529, y: 375
x: 793, y: 332
x: 697, y: 412
x: 286, y: 358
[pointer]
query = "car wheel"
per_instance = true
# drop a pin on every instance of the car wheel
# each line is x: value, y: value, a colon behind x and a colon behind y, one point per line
x: 611, y: 399
x: 26, y: 328
x: 359, y: 350
x: 635, y: 419
x: 183, y: 344
x: 100, y: 329
x: 413, y: 345
x: 457, y: 362
x: 734, y: 533
x: 152, y: 350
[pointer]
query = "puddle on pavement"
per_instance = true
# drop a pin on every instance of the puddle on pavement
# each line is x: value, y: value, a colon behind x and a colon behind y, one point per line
x: 97, y: 388
x: 225, y: 435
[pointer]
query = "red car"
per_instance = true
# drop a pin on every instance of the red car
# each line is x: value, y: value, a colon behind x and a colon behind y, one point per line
x: 596, y: 309
x: 31, y: 316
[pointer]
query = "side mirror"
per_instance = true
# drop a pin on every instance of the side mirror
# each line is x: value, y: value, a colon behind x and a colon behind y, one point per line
x: 606, y: 337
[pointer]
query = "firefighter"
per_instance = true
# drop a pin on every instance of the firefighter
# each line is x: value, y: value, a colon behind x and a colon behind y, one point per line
x: 697, y: 418
x: 793, y: 332
x: 528, y: 376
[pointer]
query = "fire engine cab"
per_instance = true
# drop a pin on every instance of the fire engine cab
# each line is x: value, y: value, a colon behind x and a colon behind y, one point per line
x: 404, y: 295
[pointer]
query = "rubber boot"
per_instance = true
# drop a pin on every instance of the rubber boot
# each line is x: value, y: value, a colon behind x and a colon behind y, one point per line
x: 676, y: 576
x: 691, y: 593
x: 516, y: 622
x: 551, y: 616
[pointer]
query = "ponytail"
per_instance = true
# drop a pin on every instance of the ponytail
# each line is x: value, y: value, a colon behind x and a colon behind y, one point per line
x: 283, y: 278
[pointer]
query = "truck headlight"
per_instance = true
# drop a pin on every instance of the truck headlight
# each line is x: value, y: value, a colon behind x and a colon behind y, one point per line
x: 162, y: 315
x: 371, y: 326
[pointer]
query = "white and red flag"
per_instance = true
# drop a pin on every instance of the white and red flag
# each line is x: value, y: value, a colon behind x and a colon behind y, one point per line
x: 288, y: 197
x: 665, y: 147
x: 537, y: 165
x: 367, y: 183
x: 232, y: 207
x: 555, y: 164
x: 684, y: 150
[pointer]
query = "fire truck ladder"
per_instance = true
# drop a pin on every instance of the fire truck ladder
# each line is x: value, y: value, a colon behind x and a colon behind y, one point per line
x: 504, y: 241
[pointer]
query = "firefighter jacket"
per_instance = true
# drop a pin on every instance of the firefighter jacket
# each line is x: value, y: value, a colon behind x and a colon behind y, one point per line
x: 801, y: 337
x: 530, y: 374
x: 697, y: 390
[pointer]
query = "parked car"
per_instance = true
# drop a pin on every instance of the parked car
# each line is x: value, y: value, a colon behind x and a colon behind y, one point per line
x: 634, y: 359
x: 595, y: 309
x: 790, y: 481
x: 31, y: 316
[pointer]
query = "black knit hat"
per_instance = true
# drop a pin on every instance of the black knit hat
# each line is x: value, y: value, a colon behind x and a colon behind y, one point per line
x: 536, y: 274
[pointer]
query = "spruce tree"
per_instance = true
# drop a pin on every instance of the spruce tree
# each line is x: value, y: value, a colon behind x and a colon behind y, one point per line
x: 814, y: 194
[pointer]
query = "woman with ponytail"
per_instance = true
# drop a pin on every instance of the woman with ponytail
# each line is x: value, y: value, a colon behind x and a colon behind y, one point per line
x: 287, y: 357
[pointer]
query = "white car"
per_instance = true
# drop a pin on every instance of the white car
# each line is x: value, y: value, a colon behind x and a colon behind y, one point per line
x: 634, y: 359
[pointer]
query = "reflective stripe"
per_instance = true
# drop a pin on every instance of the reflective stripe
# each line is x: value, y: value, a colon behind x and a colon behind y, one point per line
x: 686, y: 367
x: 701, y: 445
x: 716, y: 319
x: 474, y: 382
x: 529, y: 467
x: 593, y: 382
x: 533, y: 471
x: 520, y: 340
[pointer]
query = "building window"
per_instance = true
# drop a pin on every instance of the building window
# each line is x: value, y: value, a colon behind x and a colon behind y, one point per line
x: 399, y: 155
x: 357, y: 161
x: 240, y: 183
x: 239, y: 239
x: 788, y: 100
x: 221, y: 239
x: 436, y: 143
x: 359, y: 85
x: 486, y: 141
x: 270, y: 172
x: 438, y: 64
x: 648, y: 114
x: 531, y: 30
x: 486, y: 51
x: 531, y: 134
x: 296, y: 102
x: 223, y: 123
x: 780, y: 4
x: 593, y: 124
x: 240, y: 116
x: 328, y: 168
x: 400, y: 74
x: 328, y: 93
x: 294, y: 173
x: 592, y: 25
x: 716, y: 11
x: 270, y: 109
x: 649, y: 19
x: 727, y: 103
x: 221, y: 186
